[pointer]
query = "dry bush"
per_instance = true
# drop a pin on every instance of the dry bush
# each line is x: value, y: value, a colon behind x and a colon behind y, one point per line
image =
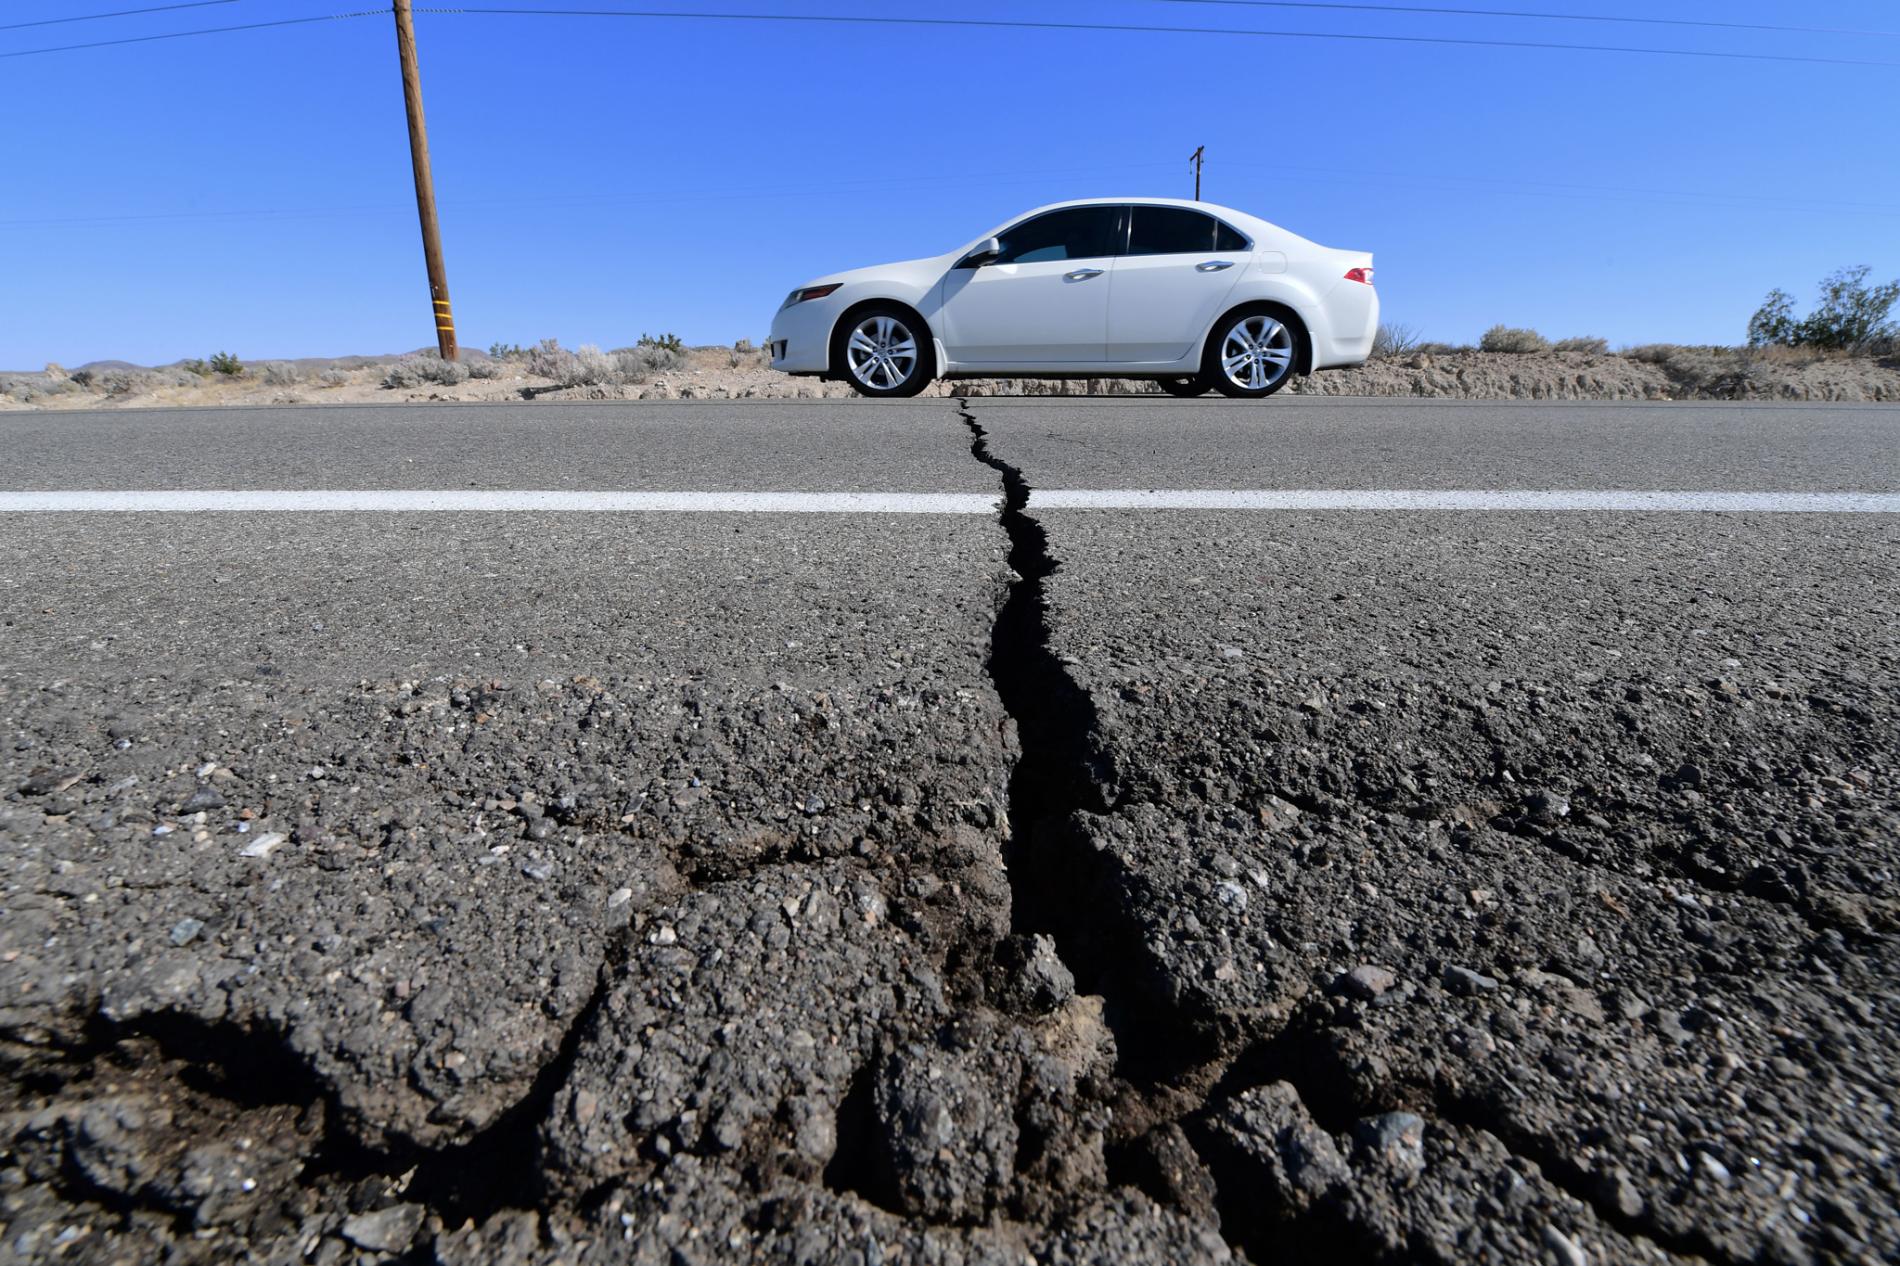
x: 1789, y: 357
x: 588, y: 366
x: 1394, y: 340
x: 414, y: 371
x: 333, y: 378
x: 640, y: 362
x: 484, y: 369
x: 1505, y: 338
x: 548, y: 359
x: 1651, y: 353
x: 1588, y: 346
x: 280, y: 373
x: 26, y: 388
x: 116, y: 382
x: 1445, y: 349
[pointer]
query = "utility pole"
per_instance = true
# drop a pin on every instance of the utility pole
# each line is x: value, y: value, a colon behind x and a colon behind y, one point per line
x: 425, y: 183
x: 1195, y: 158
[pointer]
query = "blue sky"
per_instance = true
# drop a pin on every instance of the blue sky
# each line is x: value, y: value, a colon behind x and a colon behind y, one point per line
x: 603, y: 177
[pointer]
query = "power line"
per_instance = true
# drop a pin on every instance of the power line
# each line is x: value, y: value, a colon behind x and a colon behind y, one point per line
x: 209, y: 30
x: 121, y: 13
x: 995, y: 24
x: 1531, y: 13
x: 1009, y: 24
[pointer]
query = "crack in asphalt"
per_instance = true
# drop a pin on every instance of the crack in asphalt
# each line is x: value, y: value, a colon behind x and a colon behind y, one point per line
x: 1064, y: 771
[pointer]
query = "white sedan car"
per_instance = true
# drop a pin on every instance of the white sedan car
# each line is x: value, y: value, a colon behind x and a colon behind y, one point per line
x: 1192, y: 295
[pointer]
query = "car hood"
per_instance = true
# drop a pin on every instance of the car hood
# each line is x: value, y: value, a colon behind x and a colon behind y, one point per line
x: 920, y: 271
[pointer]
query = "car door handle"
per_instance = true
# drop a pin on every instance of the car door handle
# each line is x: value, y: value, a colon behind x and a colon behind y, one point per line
x: 1213, y: 265
x: 1082, y: 274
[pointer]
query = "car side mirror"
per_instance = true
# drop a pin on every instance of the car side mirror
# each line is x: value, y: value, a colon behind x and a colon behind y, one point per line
x: 985, y: 253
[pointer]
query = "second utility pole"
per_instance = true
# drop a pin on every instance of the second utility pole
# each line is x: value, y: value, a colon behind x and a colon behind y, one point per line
x: 1195, y: 158
x: 425, y: 183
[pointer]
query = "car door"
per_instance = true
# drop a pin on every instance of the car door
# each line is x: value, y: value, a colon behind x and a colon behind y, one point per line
x: 1171, y: 282
x: 1043, y: 300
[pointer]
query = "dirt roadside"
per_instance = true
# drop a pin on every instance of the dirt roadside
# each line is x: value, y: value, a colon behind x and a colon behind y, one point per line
x: 720, y: 373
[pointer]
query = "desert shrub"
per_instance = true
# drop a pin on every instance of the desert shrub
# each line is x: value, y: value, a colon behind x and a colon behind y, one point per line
x: 125, y: 382
x: 744, y: 347
x: 588, y: 366
x: 1444, y: 349
x: 225, y: 363
x: 667, y: 342
x: 1394, y: 340
x: 1852, y: 315
x: 333, y: 377
x: 507, y: 351
x: 1776, y: 354
x: 548, y: 359
x: 637, y: 363
x: 195, y: 366
x: 414, y: 371
x: 1589, y: 346
x: 490, y: 368
x: 280, y: 373
x: 1505, y: 338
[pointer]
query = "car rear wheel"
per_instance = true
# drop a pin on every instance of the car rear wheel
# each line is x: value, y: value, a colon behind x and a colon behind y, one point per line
x: 1253, y: 354
x: 1183, y: 387
x: 883, y: 352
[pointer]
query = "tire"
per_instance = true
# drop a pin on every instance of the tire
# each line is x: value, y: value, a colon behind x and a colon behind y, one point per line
x: 868, y: 351
x: 1183, y: 388
x: 1252, y: 353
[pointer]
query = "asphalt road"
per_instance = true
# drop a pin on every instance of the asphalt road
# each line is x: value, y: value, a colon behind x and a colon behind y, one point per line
x: 1092, y: 884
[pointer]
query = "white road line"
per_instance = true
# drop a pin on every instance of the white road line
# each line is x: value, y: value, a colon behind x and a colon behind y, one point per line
x: 392, y: 499
x: 505, y: 501
x: 1475, y: 499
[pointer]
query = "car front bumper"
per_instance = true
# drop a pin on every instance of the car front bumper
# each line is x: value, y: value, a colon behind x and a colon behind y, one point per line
x: 801, y: 337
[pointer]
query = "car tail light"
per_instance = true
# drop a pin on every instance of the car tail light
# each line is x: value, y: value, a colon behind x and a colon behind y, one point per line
x: 1363, y: 275
x: 811, y: 292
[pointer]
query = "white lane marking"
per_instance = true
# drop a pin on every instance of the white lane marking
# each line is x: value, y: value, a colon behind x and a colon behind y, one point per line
x: 398, y: 499
x: 1469, y: 499
x: 157, y: 500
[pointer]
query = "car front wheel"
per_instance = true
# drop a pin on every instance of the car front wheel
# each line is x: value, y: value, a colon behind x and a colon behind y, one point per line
x: 1252, y: 355
x: 883, y: 352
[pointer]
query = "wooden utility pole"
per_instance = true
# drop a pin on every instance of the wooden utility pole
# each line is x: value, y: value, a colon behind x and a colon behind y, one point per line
x: 425, y: 183
x: 1195, y: 158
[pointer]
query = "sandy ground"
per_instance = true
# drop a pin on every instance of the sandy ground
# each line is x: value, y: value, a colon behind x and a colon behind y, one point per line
x: 719, y: 373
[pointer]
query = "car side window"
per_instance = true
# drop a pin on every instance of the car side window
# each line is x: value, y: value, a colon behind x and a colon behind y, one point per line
x: 1172, y: 231
x: 1228, y: 239
x: 1072, y: 233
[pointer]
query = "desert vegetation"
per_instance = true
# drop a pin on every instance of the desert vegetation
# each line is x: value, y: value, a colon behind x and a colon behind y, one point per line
x: 1852, y: 316
x: 1846, y: 348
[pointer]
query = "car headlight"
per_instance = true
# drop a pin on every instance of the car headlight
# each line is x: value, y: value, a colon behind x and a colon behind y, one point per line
x: 811, y: 292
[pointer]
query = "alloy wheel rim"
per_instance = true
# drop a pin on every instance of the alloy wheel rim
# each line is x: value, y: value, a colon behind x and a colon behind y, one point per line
x: 882, y: 353
x: 1257, y: 353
